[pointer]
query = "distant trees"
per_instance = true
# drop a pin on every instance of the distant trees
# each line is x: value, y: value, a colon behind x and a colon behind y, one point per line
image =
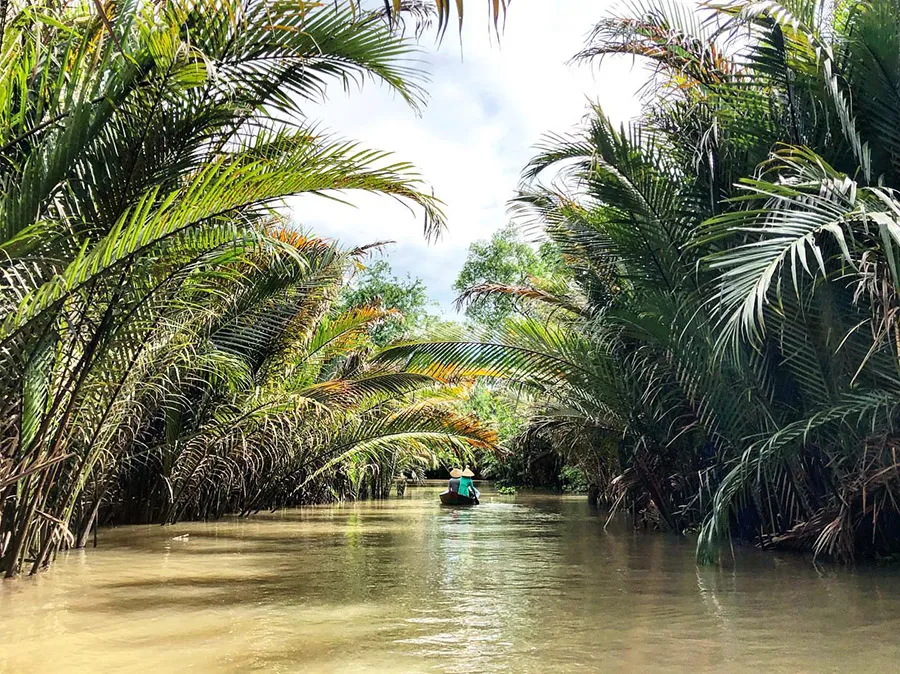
x: 505, y: 259
x: 405, y: 299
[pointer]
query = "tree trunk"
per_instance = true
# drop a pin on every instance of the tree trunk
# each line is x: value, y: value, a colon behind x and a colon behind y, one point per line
x: 85, y: 532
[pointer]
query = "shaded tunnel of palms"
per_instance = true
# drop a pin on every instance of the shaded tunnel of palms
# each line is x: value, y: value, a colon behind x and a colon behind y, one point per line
x: 718, y: 355
x: 170, y: 346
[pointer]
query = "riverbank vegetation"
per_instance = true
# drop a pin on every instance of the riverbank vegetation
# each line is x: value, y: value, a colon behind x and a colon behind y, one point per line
x: 169, y: 346
x: 723, y: 355
x: 707, y: 335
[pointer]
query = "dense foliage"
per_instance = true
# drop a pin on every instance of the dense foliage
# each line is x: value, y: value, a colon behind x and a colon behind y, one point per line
x: 505, y: 259
x: 725, y: 355
x: 406, y: 297
x: 168, y: 348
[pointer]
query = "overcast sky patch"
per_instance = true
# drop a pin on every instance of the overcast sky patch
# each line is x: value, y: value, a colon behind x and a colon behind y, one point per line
x: 484, y: 115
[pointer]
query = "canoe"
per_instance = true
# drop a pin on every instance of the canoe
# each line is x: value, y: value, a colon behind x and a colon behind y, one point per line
x: 454, y: 499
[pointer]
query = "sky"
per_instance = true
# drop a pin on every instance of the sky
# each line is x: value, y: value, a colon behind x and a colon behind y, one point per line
x: 487, y: 108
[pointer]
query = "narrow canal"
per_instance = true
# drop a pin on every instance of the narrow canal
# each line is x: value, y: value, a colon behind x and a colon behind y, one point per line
x: 531, y: 583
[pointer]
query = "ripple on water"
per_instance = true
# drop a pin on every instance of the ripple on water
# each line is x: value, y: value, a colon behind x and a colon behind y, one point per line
x: 518, y: 584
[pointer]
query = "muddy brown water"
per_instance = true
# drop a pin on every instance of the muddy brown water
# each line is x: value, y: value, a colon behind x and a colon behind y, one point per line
x: 531, y: 583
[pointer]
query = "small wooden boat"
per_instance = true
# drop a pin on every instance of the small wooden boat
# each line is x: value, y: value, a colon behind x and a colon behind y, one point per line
x: 451, y: 498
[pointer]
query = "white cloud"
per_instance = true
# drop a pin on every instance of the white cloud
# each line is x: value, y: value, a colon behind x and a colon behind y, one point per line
x: 485, y: 112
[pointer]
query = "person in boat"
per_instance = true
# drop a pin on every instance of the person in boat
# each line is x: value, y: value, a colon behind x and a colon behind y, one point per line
x: 466, y: 485
x: 455, y: 476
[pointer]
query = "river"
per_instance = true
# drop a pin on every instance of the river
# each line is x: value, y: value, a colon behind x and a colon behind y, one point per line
x: 531, y: 583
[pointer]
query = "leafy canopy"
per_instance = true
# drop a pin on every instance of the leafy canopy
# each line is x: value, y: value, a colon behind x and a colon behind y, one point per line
x: 504, y: 259
x: 408, y: 297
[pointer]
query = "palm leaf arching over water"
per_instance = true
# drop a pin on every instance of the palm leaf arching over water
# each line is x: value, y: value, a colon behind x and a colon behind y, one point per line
x: 168, y: 347
x: 724, y: 352
x: 719, y: 352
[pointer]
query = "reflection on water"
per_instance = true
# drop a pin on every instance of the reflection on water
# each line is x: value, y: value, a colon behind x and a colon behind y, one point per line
x: 518, y: 584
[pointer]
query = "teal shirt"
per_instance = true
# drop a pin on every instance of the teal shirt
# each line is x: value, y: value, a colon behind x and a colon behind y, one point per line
x: 465, y: 484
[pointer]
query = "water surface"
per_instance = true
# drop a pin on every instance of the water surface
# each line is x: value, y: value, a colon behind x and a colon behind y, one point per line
x: 531, y: 583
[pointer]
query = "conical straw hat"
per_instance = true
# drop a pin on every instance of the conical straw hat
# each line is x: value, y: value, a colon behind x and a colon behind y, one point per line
x: 468, y: 473
x: 456, y: 472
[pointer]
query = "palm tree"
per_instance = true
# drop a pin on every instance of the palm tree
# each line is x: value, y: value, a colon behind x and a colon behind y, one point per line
x: 732, y: 324
x: 422, y: 11
x: 143, y: 155
x: 276, y: 399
